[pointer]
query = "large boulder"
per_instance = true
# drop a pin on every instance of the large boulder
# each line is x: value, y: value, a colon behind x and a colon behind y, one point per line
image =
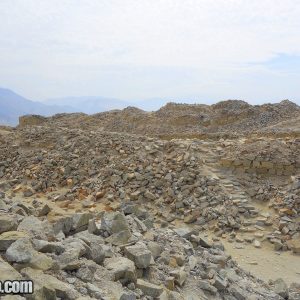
x: 74, y: 249
x: 8, y: 272
x: 62, y: 224
x: 96, y: 249
x: 121, y: 268
x: 113, y: 226
x: 154, y: 248
x: 139, y: 254
x: 48, y: 247
x: 281, y: 288
x: 47, y: 286
x: 119, y: 238
x: 36, y: 228
x: 8, y: 222
x: 8, y: 237
x: 114, y: 222
x: 149, y: 289
x: 81, y: 221
x: 22, y: 251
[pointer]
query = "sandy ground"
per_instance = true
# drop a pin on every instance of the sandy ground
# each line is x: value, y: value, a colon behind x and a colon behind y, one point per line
x: 270, y: 264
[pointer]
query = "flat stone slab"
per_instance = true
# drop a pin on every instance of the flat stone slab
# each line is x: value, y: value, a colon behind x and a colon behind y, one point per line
x: 149, y: 289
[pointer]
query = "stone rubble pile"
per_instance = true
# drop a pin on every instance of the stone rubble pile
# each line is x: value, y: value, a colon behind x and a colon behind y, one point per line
x: 115, y: 255
x: 269, y: 157
x: 231, y: 117
x: 91, y: 214
x: 164, y: 175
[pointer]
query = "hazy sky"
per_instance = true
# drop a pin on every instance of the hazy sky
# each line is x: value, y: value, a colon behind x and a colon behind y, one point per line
x: 199, y: 49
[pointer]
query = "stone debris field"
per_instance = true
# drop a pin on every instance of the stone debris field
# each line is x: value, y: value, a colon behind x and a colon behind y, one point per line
x: 188, y: 202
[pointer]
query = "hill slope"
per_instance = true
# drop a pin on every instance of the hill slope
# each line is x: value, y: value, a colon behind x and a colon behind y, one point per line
x: 179, y: 120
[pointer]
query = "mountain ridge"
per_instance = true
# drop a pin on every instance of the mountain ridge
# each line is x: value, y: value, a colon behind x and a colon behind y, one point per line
x: 13, y: 105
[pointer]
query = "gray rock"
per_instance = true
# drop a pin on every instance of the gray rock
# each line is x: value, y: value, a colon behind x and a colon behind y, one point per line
x: 220, y: 283
x: 193, y: 261
x: 95, y: 250
x: 81, y: 221
x: 238, y: 293
x: 89, y: 238
x: 86, y: 272
x: 281, y: 288
x: 62, y: 223
x: 43, y: 210
x: 114, y: 222
x: 140, y: 225
x: 8, y: 237
x: 36, y: 228
x: 96, y: 253
x: 139, y: 254
x: 128, y: 296
x: 119, y: 238
x: 8, y: 272
x: 8, y: 222
x: 184, y: 232
x: 204, y: 242
x: 94, y: 226
x: 206, y: 286
x: 74, y: 249
x: 94, y: 290
x: 21, y: 251
x: 149, y: 289
x: 28, y: 192
x: 180, y: 276
x: 154, y: 248
x: 45, y: 286
x: 3, y: 205
x: 48, y: 247
x: 121, y: 269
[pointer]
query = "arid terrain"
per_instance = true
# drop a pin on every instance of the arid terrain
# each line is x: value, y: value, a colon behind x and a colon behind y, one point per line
x: 187, y: 202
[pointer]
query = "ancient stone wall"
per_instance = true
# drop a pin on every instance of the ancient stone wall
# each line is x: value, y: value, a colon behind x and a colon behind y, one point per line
x: 29, y: 120
x: 261, y: 166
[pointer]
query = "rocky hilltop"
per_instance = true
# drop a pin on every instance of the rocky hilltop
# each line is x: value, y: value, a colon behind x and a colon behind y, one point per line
x: 231, y: 117
x: 188, y: 202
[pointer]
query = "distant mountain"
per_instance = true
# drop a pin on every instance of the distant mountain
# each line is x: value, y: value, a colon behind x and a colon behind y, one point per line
x: 13, y: 105
x: 88, y: 104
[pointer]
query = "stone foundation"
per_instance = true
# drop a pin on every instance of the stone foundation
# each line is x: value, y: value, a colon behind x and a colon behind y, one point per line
x: 260, y: 167
x: 31, y: 120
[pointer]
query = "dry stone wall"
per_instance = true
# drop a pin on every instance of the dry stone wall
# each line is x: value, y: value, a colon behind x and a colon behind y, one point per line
x: 30, y: 120
x: 260, y: 156
x: 260, y: 166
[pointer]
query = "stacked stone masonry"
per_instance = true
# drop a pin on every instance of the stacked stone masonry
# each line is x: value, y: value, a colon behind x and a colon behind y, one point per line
x: 261, y: 167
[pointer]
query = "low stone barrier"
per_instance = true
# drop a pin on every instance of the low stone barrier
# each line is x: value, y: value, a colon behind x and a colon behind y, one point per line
x: 261, y: 166
x: 29, y: 120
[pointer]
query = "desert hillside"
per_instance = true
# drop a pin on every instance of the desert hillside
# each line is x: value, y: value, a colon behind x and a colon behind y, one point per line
x: 231, y: 117
x: 187, y: 202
